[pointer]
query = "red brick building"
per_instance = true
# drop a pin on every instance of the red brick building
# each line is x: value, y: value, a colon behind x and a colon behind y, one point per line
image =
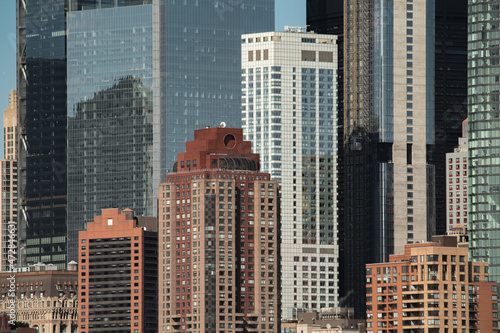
x: 219, y: 243
x: 432, y: 288
x: 118, y: 273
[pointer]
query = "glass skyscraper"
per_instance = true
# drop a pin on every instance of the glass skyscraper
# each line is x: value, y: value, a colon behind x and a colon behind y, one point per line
x: 141, y: 79
x: 484, y: 133
x: 110, y: 114
x: 41, y: 50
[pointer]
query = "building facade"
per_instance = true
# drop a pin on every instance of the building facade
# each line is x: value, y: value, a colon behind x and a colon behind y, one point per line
x: 364, y: 25
x: 388, y: 131
x: 41, y: 89
x: 8, y: 174
x: 118, y: 259
x: 450, y: 94
x: 110, y: 113
x: 290, y: 115
x: 142, y: 76
x: 10, y: 132
x: 220, y: 244
x: 327, y: 17
x: 457, y: 183
x: 46, y: 298
x: 484, y: 134
x: 433, y: 288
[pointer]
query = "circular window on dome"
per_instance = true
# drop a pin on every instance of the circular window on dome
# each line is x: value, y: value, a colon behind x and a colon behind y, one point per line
x: 229, y: 141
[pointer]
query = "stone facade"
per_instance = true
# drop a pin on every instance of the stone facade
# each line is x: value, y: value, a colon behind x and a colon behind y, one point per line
x: 46, y: 300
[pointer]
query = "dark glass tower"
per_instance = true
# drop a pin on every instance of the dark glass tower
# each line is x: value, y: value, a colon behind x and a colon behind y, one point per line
x: 368, y: 155
x: 451, y: 93
x: 41, y: 63
x: 142, y: 76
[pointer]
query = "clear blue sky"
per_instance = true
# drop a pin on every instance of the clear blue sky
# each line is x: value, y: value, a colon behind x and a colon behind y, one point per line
x: 288, y: 12
x: 8, y: 52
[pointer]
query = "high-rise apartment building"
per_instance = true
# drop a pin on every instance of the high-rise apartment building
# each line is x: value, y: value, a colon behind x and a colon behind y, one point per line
x: 41, y: 88
x: 142, y: 76
x: 457, y: 183
x: 290, y: 115
x: 484, y: 134
x: 219, y: 245
x: 118, y: 280
x: 432, y: 287
x: 8, y: 175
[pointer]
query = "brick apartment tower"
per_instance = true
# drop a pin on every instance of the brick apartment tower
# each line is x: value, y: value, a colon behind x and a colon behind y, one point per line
x: 219, y: 244
x: 118, y: 273
x: 432, y: 287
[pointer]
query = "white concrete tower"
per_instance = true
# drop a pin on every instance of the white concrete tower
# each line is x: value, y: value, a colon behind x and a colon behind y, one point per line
x: 289, y: 103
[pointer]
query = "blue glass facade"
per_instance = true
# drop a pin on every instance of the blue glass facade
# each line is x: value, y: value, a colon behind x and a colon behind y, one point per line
x: 202, y: 64
x: 141, y: 79
x: 110, y: 114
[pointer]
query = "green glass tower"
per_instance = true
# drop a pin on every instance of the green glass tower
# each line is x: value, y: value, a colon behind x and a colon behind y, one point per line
x: 484, y: 133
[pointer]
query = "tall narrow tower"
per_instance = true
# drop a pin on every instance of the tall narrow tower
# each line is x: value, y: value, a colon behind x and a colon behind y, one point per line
x: 41, y: 88
x: 8, y: 190
x: 219, y: 244
x: 388, y: 132
x: 484, y: 134
x: 290, y: 114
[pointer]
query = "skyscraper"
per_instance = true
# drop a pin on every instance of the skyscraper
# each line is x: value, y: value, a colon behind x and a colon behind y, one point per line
x: 219, y: 243
x: 111, y: 155
x: 484, y: 134
x: 142, y: 75
x: 118, y: 280
x: 41, y: 82
x: 388, y: 126
x: 8, y: 174
x: 361, y: 25
x: 290, y: 115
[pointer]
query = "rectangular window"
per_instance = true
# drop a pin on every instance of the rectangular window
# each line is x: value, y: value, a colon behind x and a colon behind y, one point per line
x: 409, y: 153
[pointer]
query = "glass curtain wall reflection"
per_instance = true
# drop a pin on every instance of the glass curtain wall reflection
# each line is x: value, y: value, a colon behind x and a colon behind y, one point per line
x: 141, y: 79
x: 110, y: 114
x: 202, y: 63
x: 484, y: 134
